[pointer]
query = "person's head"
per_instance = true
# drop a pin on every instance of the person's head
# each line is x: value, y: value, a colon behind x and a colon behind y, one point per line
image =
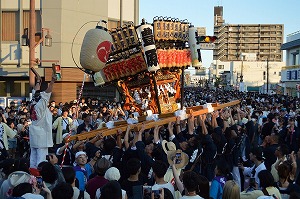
x: 111, y: 190
x: 274, y: 138
x: 22, y: 189
x: 291, y: 121
x: 52, y: 103
x: 266, y: 179
x: 133, y: 166
x: 62, y: 191
x: 149, y: 148
x: 11, y: 124
x: 109, y: 144
x: 284, y: 170
x: 11, y: 165
x: 81, y: 158
x: 65, y: 112
x: 37, y: 96
x: 86, y: 117
x: 101, y: 166
x: 222, y: 168
x: 190, y: 181
x: 112, y: 174
x: 159, y: 169
x: 256, y: 154
x: 282, y: 150
x: 94, y: 115
x: 231, y: 190
x: 69, y: 174
x: 48, y: 173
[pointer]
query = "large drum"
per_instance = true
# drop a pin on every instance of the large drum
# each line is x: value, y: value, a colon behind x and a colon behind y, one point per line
x: 95, y: 49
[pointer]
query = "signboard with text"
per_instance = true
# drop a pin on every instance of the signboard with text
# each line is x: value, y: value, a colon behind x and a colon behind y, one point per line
x: 207, y: 46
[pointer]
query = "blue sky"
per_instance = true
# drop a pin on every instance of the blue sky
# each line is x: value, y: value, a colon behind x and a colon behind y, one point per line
x: 200, y: 13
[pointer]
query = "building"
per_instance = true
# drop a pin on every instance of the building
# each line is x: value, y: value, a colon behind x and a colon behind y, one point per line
x: 291, y: 72
x: 255, y: 74
x: 62, y: 20
x: 264, y: 40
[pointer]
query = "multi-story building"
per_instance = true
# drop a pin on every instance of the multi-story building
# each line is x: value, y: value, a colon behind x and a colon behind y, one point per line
x: 62, y: 20
x: 264, y: 40
x: 291, y: 72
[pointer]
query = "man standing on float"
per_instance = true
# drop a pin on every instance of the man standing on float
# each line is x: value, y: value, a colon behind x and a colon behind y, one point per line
x: 40, y: 131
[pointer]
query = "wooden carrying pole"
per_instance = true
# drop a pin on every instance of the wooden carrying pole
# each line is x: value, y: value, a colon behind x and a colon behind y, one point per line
x: 164, y: 119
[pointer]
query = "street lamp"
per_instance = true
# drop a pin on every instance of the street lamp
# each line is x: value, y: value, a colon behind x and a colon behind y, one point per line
x: 24, y: 38
x: 48, y: 39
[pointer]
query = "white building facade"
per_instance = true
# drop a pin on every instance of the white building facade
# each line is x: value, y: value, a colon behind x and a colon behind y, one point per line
x: 254, y: 74
x: 291, y: 72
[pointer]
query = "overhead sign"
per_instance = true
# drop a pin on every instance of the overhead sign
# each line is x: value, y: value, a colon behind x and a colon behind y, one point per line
x: 207, y: 46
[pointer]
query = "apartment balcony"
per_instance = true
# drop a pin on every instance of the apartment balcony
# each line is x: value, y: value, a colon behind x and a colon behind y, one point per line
x: 265, y: 41
x: 265, y: 35
x: 264, y: 47
x: 291, y: 67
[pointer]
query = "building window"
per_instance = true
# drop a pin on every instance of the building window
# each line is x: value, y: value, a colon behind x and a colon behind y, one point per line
x: 295, y: 58
x: 279, y: 74
x: 11, y: 24
x: 275, y: 73
x: 10, y: 21
x: 264, y: 75
x: 220, y: 66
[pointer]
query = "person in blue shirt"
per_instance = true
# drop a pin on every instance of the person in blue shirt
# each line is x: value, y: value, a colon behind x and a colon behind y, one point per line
x: 217, y: 184
x: 83, y: 169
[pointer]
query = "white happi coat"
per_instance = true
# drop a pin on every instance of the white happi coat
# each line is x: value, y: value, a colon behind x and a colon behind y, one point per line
x: 40, y: 131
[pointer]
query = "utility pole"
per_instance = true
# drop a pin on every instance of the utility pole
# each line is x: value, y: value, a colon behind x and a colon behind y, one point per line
x: 32, y: 29
x: 242, y: 68
x: 268, y: 75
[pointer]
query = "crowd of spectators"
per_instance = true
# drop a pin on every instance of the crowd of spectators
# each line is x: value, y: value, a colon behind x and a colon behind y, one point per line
x: 250, y: 150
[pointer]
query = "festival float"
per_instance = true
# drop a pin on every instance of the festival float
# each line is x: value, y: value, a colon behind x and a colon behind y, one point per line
x: 146, y: 63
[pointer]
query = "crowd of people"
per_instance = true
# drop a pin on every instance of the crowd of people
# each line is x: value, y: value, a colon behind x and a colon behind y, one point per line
x: 250, y: 150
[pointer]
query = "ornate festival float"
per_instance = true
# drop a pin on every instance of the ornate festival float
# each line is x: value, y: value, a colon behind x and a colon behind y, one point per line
x: 147, y: 64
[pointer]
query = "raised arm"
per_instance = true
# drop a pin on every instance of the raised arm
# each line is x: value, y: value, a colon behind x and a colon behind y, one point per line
x: 202, y: 124
x: 38, y: 79
x: 50, y: 86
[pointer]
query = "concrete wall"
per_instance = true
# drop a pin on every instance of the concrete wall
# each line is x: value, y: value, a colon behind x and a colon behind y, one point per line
x: 253, y: 72
x: 65, y: 18
x: 114, y: 9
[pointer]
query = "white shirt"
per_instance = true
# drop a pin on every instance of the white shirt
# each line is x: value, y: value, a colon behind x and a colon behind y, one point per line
x: 248, y: 172
x: 167, y: 186
x: 191, y: 197
x: 32, y: 196
x: 77, y: 192
x: 40, y: 131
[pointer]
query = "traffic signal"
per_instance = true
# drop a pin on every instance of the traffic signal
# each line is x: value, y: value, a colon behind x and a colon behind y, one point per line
x: 58, y: 72
x: 206, y: 39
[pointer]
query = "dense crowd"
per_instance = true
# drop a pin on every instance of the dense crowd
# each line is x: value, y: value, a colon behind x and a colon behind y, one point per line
x: 250, y: 150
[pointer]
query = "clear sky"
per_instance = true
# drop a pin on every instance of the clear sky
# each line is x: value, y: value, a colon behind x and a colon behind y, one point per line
x: 201, y: 14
